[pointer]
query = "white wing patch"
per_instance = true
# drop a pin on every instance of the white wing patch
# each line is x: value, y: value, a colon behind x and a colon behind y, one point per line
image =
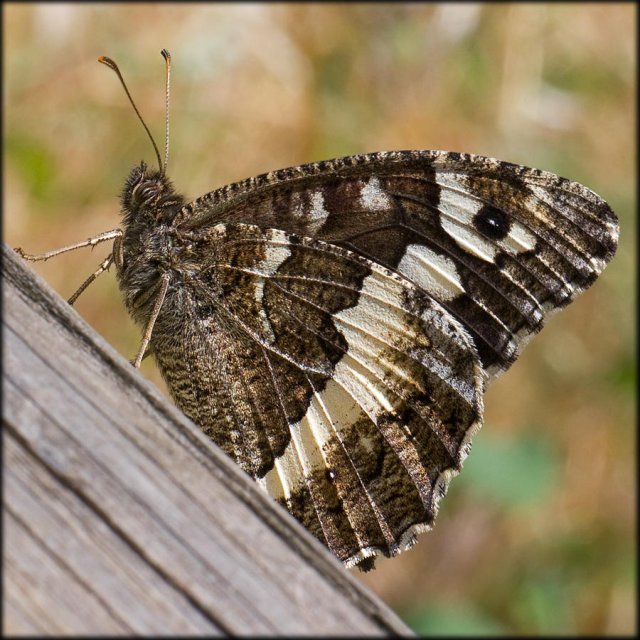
x: 275, y: 255
x: 456, y: 217
x: 373, y: 197
x: 312, y: 213
x: 519, y: 239
x: 286, y: 477
x: 435, y: 273
x: 318, y: 212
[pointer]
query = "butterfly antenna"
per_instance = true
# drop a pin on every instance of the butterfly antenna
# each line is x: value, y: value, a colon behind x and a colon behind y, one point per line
x: 167, y: 58
x: 112, y: 65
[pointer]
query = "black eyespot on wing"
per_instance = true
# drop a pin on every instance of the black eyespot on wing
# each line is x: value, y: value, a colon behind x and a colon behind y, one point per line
x: 492, y: 223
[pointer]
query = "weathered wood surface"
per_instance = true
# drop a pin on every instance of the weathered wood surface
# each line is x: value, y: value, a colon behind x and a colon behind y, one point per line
x: 121, y: 517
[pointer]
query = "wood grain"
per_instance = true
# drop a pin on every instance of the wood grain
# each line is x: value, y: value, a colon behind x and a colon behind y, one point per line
x: 121, y: 517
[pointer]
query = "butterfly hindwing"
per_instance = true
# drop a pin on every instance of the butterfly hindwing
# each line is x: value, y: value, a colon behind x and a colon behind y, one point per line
x: 345, y: 390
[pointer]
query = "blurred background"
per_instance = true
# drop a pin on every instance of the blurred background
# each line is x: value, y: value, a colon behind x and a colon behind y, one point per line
x: 537, y: 535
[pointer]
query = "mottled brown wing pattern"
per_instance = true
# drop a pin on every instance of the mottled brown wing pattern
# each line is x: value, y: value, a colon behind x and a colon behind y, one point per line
x: 344, y: 317
x: 499, y: 245
x: 345, y: 390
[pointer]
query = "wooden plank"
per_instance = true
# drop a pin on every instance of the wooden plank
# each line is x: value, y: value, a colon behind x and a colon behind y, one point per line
x: 53, y: 609
x: 122, y: 517
x: 84, y: 555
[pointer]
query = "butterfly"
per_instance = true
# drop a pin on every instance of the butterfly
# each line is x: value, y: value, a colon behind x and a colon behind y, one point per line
x: 333, y: 326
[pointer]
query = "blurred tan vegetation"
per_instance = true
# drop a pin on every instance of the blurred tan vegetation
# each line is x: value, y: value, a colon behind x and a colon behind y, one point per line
x: 537, y: 535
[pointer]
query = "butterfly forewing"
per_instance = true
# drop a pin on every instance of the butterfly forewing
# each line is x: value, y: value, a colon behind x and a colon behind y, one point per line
x: 499, y: 245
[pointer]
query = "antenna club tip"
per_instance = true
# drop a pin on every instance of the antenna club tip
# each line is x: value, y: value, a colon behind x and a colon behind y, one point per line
x: 166, y: 55
x: 108, y: 61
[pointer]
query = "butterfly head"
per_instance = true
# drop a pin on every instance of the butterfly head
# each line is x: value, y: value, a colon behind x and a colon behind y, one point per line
x: 149, y: 196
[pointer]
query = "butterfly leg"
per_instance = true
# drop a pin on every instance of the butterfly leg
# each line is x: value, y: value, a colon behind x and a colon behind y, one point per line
x: 89, y: 242
x: 114, y: 234
x: 104, y: 265
x: 142, y: 352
